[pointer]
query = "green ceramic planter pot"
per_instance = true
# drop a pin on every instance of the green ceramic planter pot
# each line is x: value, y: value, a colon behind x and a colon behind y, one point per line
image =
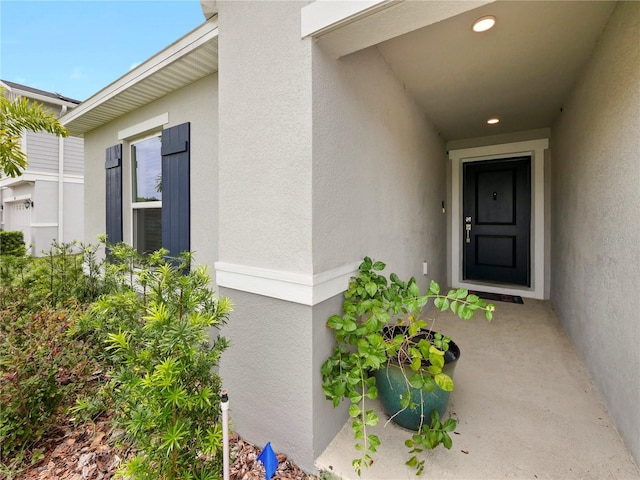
x: 392, y: 384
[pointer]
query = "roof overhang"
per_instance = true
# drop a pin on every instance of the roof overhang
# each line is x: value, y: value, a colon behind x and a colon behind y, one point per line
x: 344, y: 27
x: 192, y: 57
x: 52, y: 99
x: 12, y: 182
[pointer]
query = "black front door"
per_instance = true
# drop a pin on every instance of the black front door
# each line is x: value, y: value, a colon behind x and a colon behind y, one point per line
x: 496, y: 221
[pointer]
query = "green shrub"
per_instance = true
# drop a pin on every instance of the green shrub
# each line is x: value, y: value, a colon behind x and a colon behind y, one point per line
x: 69, y: 272
x: 12, y: 243
x: 41, y: 368
x: 155, y: 327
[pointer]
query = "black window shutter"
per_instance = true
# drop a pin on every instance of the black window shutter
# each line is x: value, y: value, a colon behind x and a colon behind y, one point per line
x: 176, y: 195
x: 113, y: 166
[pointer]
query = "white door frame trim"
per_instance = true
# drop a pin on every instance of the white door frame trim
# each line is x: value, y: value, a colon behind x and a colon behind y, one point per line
x: 533, y: 148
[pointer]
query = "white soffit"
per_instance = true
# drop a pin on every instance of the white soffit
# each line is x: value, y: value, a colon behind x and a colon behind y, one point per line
x: 343, y: 27
x: 185, y: 61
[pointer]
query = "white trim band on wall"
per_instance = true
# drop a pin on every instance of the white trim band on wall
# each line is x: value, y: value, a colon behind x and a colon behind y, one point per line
x: 292, y: 287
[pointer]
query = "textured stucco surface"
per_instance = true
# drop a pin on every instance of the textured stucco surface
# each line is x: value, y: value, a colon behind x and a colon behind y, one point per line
x: 196, y: 103
x: 265, y: 221
x: 595, y: 248
x: 378, y: 170
x: 327, y: 421
x: 322, y: 161
x: 265, y: 138
x: 268, y: 372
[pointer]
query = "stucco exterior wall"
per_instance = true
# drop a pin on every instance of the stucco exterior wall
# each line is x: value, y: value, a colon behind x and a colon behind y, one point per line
x: 265, y: 220
x: 595, y: 248
x: 196, y: 103
x: 340, y: 164
x: 265, y: 138
x: 522, y: 136
x: 378, y: 170
x: 268, y: 373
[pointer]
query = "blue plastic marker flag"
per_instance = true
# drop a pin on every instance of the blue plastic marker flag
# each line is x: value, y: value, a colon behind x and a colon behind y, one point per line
x: 269, y: 460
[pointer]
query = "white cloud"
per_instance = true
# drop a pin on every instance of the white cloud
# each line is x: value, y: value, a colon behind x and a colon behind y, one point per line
x: 134, y: 65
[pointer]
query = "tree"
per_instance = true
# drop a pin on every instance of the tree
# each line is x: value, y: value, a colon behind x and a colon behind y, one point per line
x: 15, y: 117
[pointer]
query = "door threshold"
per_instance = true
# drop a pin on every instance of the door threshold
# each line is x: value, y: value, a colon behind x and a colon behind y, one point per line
x: 500, y: 288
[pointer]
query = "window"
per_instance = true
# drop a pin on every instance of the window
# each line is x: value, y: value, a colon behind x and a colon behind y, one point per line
x: 146, y: 180
x: 160, y: 191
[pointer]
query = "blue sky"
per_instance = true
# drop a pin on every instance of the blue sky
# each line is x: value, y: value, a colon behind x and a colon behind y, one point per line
x: 78, y: 47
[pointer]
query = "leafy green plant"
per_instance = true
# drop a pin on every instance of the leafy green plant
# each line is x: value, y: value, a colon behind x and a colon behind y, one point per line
x: 155, y: 327
x: 54, y: 279
x: 366, y: 341
x: 16, y: 116
x: 41, y: 368
x: 12, y: 243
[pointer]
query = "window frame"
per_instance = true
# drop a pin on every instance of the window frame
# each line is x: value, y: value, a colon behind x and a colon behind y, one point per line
x: 131, y: 142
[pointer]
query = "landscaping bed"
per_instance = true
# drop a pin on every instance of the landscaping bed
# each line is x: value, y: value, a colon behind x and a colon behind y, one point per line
x: 109, y: 367
x: 88, y: 453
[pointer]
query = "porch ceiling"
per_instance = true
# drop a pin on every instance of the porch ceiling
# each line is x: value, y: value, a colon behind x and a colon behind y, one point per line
x: 521, y: 71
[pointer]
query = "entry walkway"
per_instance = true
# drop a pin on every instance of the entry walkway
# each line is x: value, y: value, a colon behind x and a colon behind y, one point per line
x: 525, y: 405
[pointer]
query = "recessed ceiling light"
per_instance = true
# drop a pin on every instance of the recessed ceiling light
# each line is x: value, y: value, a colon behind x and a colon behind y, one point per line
x: 493, y: 121
x: 484, y: 23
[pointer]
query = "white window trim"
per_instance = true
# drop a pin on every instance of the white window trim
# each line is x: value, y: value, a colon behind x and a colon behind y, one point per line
x: 142, y: 205
x: 129, y: 144
x: 138, y: 129
x: 533, y: 148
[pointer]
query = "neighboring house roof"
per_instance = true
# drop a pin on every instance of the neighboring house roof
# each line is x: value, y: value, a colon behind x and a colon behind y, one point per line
x: 190, y: 58
x: 37, y: 94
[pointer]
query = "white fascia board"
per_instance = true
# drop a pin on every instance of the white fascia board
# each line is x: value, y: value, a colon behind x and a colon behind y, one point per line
x: 322, y: 16
x: 28, y: 178
x: 181, y: 47
x: 340, y: 31
x: 36, y: 96
x: 17, y: 198
x: 299, y: 288
x: 43, y: 98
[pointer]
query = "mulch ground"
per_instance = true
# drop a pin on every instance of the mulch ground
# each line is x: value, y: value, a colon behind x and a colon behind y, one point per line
x: 88, y: 453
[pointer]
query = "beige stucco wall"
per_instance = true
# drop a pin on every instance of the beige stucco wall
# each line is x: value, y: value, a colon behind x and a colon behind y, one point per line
x: 378, y: 170
x: 265, y: 138
x: 322, y: 161
x: 265, y: 220
x: 197, y: 104
x: 595, y: 248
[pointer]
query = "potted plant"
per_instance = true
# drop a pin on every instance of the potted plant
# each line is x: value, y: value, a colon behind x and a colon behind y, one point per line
x: 385, y: 346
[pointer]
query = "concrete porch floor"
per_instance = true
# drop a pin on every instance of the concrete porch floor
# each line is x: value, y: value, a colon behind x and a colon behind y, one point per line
x: 525, y: 405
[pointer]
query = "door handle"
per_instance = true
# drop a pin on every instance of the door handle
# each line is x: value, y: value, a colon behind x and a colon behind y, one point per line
x: 467, y: 228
